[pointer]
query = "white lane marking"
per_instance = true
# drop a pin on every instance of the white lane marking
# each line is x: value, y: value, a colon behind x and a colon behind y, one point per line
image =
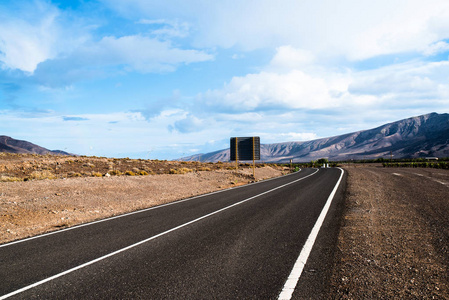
x: 441, y: 182
x: 397, y: 174
x: 146, y: 240
x: 293, y: 278
x: 136, y: 212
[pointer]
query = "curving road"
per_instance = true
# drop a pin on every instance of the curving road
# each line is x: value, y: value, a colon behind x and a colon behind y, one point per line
x: 240, y: 243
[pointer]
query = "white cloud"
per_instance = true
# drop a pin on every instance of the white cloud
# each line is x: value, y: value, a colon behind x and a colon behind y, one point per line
x: 188, y: 124
x: 35, y: 32
x: 116, y: 55
x: 298, y: 136
x: 289, y: 58
x: 24, y: 44
x: 168, y: 28
x: 143, y: 54
x: 436, y: 48
x: 350, y: 28
x: 273, y: 91
x: 62, y: 48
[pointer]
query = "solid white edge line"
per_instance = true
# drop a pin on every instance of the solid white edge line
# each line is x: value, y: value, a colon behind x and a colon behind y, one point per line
x: 293, y: 278
x: 136, y: 212
x: 146, y: 240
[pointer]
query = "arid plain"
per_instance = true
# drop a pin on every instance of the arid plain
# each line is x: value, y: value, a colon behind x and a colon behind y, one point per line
x: 393, y: 236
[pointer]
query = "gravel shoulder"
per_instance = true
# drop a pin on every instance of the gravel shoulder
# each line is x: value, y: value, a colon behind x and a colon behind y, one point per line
x: 394, y: 237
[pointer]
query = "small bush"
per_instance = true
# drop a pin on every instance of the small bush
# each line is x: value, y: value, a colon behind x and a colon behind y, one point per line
x: 39, y: 175
x: 74, y: 174
x: 115, y: 173
x: 130, y: 173
x: 180, y: 171
x: 96, y: 174
x: 204, y: 169
x: 185, y: 170
x: 9, y: 179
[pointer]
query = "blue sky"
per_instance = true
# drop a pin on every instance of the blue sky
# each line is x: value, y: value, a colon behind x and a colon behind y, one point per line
x: 166, y: 79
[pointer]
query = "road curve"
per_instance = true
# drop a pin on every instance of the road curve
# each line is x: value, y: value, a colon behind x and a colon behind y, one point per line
x: 238, y: 243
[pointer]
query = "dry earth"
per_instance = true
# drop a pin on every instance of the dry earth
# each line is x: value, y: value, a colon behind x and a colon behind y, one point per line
x: 393, y: 240
x: 394, y: 237
x: 37, y: 206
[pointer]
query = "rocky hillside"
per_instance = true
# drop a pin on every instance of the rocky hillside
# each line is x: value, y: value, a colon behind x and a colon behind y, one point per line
x: 10, y: 145
x: 422, y: 136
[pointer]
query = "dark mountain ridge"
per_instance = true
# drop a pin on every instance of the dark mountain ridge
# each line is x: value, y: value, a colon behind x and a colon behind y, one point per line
x: 421, y: 136
x: 10, y: 145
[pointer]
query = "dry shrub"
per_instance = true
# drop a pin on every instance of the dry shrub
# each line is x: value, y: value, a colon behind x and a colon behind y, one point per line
x: 115, y: 172
x: 204, y: 169
x: 9, y: 179
x: 130, y: 173
x: 73, y: 174
x: 39, y: 175
x: 96, y: 174
x: 143, y: 173
x: 180, y: 171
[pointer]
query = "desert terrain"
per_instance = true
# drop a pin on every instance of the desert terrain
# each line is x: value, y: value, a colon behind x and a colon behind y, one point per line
x: 39, y: 193
x: 393, y: 238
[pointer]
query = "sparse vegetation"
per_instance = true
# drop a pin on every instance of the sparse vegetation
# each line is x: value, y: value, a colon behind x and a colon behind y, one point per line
x: 24, y: 167
x: 9, y: 178
x: 74, y: 174
x: 115, y: 173
x: 436, y: 165
x: 180, y: 171
x: 39, y: 175
x: 203, y: 169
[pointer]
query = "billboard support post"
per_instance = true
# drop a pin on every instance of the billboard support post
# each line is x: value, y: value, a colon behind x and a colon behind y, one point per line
x: 236, y: 153
x: 254, y: 158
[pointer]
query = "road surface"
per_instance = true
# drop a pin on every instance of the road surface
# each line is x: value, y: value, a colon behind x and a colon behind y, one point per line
x: 240, y: 243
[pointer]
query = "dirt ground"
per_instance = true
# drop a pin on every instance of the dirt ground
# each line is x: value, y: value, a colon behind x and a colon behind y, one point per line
x: 393, y: 241
x: 41, y: 204
x: 394, y: 238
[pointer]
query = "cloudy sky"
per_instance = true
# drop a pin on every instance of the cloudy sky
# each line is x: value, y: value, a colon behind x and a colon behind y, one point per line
x: 170, y: 78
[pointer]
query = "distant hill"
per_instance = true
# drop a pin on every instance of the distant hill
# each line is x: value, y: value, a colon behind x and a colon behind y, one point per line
x: 10, y: 145
x: 422, y: 136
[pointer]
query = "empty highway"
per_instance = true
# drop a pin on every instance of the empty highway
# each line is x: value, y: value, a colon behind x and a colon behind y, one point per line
x: 241, y: 243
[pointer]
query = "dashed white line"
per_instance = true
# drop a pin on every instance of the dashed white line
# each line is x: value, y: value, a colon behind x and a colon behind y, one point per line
x: 295, y: 274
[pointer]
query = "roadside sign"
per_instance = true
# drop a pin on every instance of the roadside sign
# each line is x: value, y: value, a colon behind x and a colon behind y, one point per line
x: 245, y: 148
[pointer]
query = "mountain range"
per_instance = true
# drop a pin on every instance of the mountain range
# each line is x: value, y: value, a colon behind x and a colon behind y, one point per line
x: 10, y: 145
x: 421, y: 136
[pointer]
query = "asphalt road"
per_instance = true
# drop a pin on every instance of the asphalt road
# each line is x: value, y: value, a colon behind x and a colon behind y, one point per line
x: 236, y: 244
